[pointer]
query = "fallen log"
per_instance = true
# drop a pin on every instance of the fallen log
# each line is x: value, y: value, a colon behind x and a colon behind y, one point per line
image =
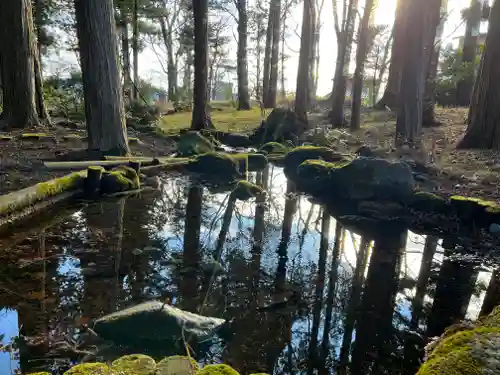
x: 22, y: 203
x: 79, y: 165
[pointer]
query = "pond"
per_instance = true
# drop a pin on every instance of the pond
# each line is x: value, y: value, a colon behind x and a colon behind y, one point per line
x: 302, y: 293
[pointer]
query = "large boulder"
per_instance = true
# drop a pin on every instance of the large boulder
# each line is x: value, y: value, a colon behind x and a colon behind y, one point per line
x: 157, y: 322
x: 215, y: 165
x: 193, y: 143
x: 358, y: 180
x: 281, y: 125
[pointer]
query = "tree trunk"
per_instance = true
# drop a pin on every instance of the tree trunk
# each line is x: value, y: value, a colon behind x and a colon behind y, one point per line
x: 492, y: 297
x: 171, y: 65
x: 428, y: 118
x: 135, y: 47
x: 275, y: 15
x: 267, y: 55
x: 126, y: 58
x: 243, y: 96
x: 17, y: 64
x: 43, y: 113
x: 469, y: 52
x: 344, y: 45
x: 201, y: 117
x: 419, y: 32
x: 102, y: 91
x: 302, y: 92
x: 282, y: 58
x: 390, y: 97
x: 361, y: 52
x: 482, y: 131
x: 258, y: 68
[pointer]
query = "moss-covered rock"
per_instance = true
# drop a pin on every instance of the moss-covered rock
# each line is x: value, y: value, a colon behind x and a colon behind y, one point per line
x: 214, y: 164
x: 116, y: 181
x: 468, y: 349
x: 245, y: 190
x: 429, y: 202
x: 177, y: 364
x: 131, y: 174
x: 313, y: 176
x: 469, y: 208
x: 134, y: 364
x: 302, y: 153
x: 155, y: 322
x: 193, y: 143
x: 217, y: 370
x: 274, y: 148
x: 282, y: 124
x: 89, y: 369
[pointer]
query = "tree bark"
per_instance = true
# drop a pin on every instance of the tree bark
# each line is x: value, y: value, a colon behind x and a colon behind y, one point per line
x: 272, y: 88
x: 102, y: 91
x: 17, y: 65
x: 361, y: 53
x: 267, y: 56
x: 201, y: 117
x: 390, y: 97
x: 428, y: 117
x: 166, y: 32
x: 492, y: 297
x: 135, y: 48
x: 302, y: 93
x: 419, y: 32
x: 483, y: 128
x: 344, y: 45
x: 125, y: 57
x: 243, y: 96
x: 469, y: 52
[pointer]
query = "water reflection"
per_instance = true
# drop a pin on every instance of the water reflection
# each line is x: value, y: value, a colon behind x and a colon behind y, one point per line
x: 303, y: 295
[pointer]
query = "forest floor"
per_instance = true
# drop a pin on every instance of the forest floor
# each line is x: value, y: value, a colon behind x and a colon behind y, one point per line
x: 464, y: 172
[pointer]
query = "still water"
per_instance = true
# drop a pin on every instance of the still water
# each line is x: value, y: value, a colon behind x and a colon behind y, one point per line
x: 303, y: 294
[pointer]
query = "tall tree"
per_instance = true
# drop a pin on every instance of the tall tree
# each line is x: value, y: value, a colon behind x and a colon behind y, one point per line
x: 242, y: 59
x: 271, y: 58
x: 428, y: 118
x: 345, y: 34
x: 492, y: 297
x: 361, y: 54
x: 303, y: 91
x: 484, y: 113
x: 19, y: 66
x: 201, y: 118
x: 418, y: 36
x: 469, y: 50
x: 135, y: 47
x: 390, y: 97
x: 104, y: 111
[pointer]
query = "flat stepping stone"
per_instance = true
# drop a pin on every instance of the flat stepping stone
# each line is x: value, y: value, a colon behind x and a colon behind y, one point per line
x: 134, y: 364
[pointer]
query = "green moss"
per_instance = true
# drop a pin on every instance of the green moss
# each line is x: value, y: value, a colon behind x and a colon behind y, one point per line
x: 302, y: 153
x: 493, y: 319
x: 214, y: 164
x: 429, y: 202
x: 5, y: 138
x: 97, y: 168
x: 116, y: 181
x: 59, y: 185
x: 134, y: 364
x: 274, y: 148
x: 245, y: 190
x: 250, y: 162
x: 34, y: 135
x: 89, y: 369
x: 176, y: 364
x: 131, y: 174
x: 217, y: 370
x: 133, y: 140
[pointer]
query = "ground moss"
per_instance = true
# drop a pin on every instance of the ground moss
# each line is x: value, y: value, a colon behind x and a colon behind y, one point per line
x: 134, y: 364
x: 245, y: 190
x: 176, y: 364
x: 89, y: 369
x: 217, y: 370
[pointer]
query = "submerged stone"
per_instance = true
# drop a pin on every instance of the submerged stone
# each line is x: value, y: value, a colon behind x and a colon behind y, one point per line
x: 134, y: 364
x: 494, y: 228
x: 155, y: 321
x: 193, y: 143
x: 89, y: 369
x: 177, y: 364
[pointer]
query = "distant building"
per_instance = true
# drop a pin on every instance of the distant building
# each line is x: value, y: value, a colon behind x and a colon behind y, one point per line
x: 222, y: 91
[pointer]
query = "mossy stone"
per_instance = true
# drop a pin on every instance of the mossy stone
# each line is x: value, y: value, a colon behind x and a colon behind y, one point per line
x: 134, y: 364
x: 245, y: 190
x: 89, y: 369
x: 249, y: 162
x: 131, y: 174
x: 302, y: 153
x: 193, y: 143
x: 429, y: 202
x: 114, y: 182
x: 274, y: 148
x: 214, y: 164
x: 217, y: 370
x: 177, y: 364
x: 313, y: 176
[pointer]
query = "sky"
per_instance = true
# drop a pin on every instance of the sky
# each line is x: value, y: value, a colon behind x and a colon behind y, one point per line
x: 151, y: 70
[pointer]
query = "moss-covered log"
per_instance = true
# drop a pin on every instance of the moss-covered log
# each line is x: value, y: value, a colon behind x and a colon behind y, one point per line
x: 79, y: 165
x: 19, y: 204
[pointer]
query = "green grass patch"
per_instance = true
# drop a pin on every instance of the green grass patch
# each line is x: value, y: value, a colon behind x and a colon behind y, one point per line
x: 227, y: 119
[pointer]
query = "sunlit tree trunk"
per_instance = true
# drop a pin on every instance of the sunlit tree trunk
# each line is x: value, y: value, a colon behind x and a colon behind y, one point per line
x: 101, y: 78
x: 135, y: 47
x: 242, y: 58
x: 492, y: 297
